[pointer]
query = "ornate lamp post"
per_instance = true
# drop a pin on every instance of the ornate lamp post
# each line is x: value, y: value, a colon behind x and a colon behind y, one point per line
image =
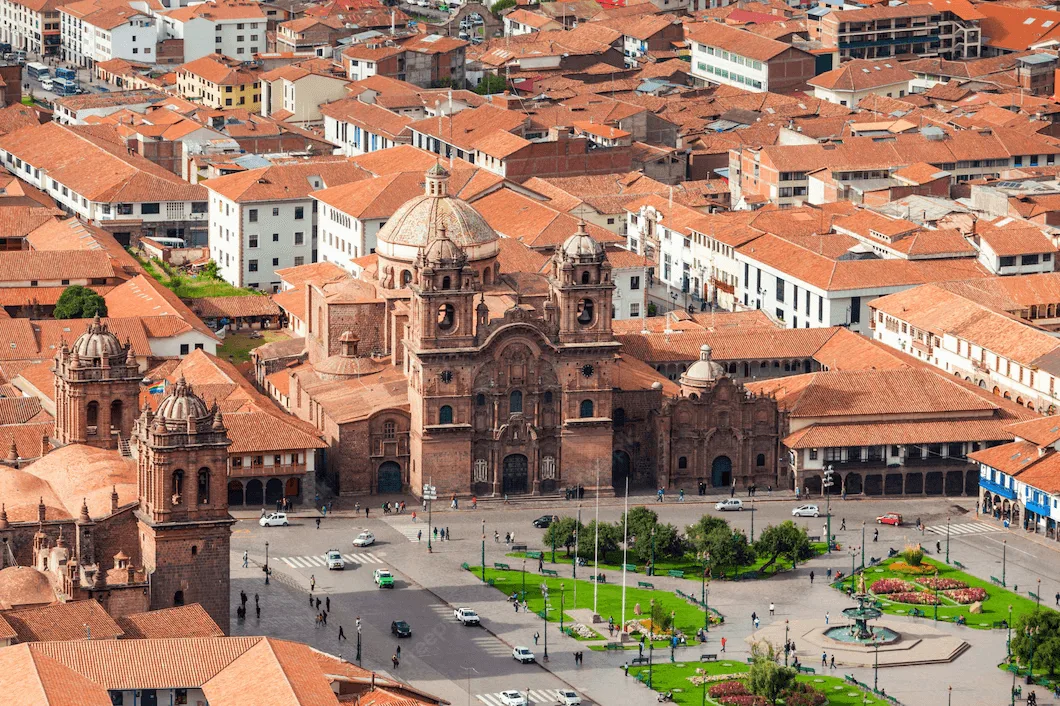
x: 266, y: 563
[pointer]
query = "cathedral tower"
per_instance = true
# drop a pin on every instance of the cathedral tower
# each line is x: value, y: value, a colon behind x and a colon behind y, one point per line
x: 581, y: 290
x: 97, y: 383
x: 183, y: 515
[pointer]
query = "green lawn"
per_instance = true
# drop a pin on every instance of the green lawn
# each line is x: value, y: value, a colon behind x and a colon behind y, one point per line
x: 675, y: 678
x: 995, y: 607
x: 612, y: 564
x: 239, y: 345
x: 187, y: 286
x: 688, y: 618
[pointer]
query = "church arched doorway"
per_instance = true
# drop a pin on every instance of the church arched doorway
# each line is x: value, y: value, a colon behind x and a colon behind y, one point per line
x: 620, y: 466
x: 235, y: 493
x: 255, y: 492
x: 389, y: 478
x: 515, y: 474
x: 273, y: 491
x: 721, y: 472
x: 116, y: 409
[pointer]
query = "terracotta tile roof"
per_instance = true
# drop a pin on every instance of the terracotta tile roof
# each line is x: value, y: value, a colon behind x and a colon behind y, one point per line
x: 33, y: 679
x: 466, y: 128
x: 29, y: 438
x: 530, y: 19
x: 536, y: 224
x: 1045, y: 474
x: 1016, y: 28
x: 862, y: 75
x: 630, y: 374
x: 17, y: 116
x: 183, y: 621
x: 866, y: 393
x: 514, y: 256
x: 291, y: 301
x: 219, y: 70
x: 400, y: 158
x: 1008, y: 238
x: 254, y: 432
x: 747, y: 44
x: 144, y: 296
x: 900, y: 432
x: 18, y: 410
x: 641, y: 27
x: 729, y: 345
x: 76, y: 620
x: 98, y: 169
x: 281, y: 182
x: 224, y: 10
x: 1043, y: 431
x: 380, y: 197
x: 298, y: 276
x: 105, y: 14
x: 682, y: 320
x: 28, y: 265
x: 368, y: 117
x: 234, y: 307
x: 18, y: 221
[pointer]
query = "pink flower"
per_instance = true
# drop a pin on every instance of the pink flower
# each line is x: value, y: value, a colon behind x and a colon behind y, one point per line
x: 881, y: 586
x: 964, y: 596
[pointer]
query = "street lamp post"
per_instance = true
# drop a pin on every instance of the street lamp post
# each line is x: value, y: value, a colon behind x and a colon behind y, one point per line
x: 553, y: 546
x: 358, y: 645
x: 484, y: 557
x: 524, y: 571
x: 876, y: 667
x: 752, y: 519
x: 936, y: 601
x: 1004, y: 561
x: 703, y: 598
x: 653, y: 551
x: 862, y: 546
x: 947, y: 540
x: 1008, y: 642
x: 544, y: 614
x: 651, y: 638
x: 266, y: 563
x: 561, y: 590
x: 1037, y: 595
x: 949, y: 697
x: 828, y: 483
x: 787, y: 643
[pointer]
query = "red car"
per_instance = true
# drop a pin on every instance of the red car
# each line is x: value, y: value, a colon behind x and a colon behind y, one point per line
x: 890, y: 518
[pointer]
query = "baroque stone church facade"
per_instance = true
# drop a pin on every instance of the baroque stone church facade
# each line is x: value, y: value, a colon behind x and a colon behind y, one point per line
x: 438, y: 367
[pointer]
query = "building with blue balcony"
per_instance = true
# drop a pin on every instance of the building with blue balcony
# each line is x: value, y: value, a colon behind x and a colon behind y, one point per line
x: 1019, y: 482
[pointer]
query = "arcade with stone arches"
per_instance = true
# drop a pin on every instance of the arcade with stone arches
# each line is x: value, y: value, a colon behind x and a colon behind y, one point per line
x: 262, y: 492
x: 894, y: 481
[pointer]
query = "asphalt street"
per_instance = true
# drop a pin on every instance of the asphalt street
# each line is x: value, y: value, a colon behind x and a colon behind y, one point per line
x: 470, y: 665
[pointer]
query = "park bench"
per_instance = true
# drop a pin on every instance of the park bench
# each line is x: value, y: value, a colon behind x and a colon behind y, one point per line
x: 807, y: 670
x: 676, y: 574
x: 709, y: 657
x: 630, y: 567
x: 750, y: 660
x: 549, y: 572
x: 465, y: 566
x: 596, y: 578
x: 1000, y: 625
x: 639, y: 660
x: 959, y: 565
x: 533, y: 555
x: 504, y: 567
x: 612, y: 646
x: 996, y: 581
x: 646, y: 584
x: 874, y: 560
x: 1033, y: 595
x: 814, y: 537
x: 518, y: 547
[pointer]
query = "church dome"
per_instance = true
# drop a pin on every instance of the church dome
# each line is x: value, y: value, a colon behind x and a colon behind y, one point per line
x: 440, y: 250
x: 181, y: 404
x: 704, y: 371
x: 347, y: 363
x: 581, y: 245
x: 414, y: 221
x: 25, y: 586
x: 98, y: 342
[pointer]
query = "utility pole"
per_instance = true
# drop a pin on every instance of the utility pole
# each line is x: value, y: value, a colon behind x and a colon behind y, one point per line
x: 863, y: 546
x: 1004, y: 561
x: 544, y: 614
x: 828, y: 483
x: 947, y: 540
x: 430, y: 494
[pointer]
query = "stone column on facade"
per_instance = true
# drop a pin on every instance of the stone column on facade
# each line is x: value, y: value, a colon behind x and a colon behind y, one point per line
x: 535, y: 465
x: 495, y: 469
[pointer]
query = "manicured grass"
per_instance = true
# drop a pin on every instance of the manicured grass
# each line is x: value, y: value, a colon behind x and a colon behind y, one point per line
x: 688, y: 618
x: 239, y: 345
x: 674, y: 677
x: 612, y: 564
x: 995, y: 607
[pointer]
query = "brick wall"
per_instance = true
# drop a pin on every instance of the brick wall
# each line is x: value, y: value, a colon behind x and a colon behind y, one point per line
x: 566, y: 158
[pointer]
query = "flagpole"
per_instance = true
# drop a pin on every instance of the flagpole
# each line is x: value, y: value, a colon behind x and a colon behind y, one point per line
x: 625, y: 547
x: 596, y: 546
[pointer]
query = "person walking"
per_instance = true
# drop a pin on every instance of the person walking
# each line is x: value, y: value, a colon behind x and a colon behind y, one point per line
x: 843, y: 524
x: 419, y: 536
x: 827, y: 617
x: 537, y: 635
x: 833, y: 662
x: 312, y: 583
x: 875, y: 535
x: 447, y: 535
x: 394, y: 659
x: 1058, y: 598
x: 541, y: 567
x: 625, y: 668
x: 246, y: 558
x: 318, y: 523
x: 757, y: 623
x: 811, y: 577
x: 366, y: 511
x: 327, y: 602
x: 257, y: 610
x: 754, y: 617
x: 398, y: 652
x: 824, y: 660
x: 724, y: 640
x: 243, y: 598
x: 342, y: 635
x: 772, y: 609
x: 255, y: 599
x: 325, y: 614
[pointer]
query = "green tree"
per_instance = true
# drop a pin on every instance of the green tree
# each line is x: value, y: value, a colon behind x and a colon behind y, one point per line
x: 728, y: 549
x: 667, y: 541
x: 210, y: 270
x: 767, y: 678
x: 77, y: 302
x: 784, y: 540
x: 491, y: 83
x: 501, y: 6
x: 1046, y: 640
x: 662, y: 619
x: 563, y: 532
x: 641, y: 521
x: 697, y: 533
x: 610, y: 536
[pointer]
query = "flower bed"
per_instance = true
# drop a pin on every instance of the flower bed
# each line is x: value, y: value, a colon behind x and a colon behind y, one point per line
x: 743, y: 700
x: 804, y: 694
x: 942, y: 584
x: 903, y: 568
x: 964, y: 596
x: 917, y: 597
x: 882, y: 586
x: 732, y: 687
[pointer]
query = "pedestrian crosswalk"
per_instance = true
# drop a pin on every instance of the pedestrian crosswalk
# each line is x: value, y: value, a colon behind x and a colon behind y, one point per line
x: 491, y: 645
x: 315, y: 560
x: 411, y: 530
x: 964, y: 528
x: 538, y: 697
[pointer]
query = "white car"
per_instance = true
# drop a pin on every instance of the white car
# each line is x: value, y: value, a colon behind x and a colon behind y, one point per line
x: 364, y: 539
x: 806, y: 511
x: 274, y: 519
x: 524, y: 655
x: 513, y: 698
x: 568, y: 697
x: 466, y: 616
x: 730, y: 504
x: 334, y: 560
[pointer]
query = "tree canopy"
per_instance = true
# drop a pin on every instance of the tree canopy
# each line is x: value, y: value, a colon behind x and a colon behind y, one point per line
x: 768, y: 679
x: 491, y: 83
x: 77, y: 302
x: 1046, y: 640
x: 784, y: 540
x: 561, y: 533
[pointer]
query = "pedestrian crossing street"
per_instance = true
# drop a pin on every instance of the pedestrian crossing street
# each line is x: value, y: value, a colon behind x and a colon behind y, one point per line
x: 317, y: 560
x: 964, y: 528
x: 410, y: 529
x: 538, y: 697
